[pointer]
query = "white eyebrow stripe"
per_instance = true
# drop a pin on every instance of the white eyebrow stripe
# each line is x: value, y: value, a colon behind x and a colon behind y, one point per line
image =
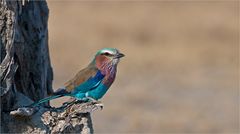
x: 107, y: 51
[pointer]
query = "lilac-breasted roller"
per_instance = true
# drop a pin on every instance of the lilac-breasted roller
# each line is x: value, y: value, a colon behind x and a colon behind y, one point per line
x: 94, y: 80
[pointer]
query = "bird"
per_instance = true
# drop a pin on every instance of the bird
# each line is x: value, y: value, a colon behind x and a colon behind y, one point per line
x: 92, y: 82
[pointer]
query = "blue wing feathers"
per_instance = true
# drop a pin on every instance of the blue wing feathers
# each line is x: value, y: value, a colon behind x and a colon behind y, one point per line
x: 79, y: 91
x: 90, y: 84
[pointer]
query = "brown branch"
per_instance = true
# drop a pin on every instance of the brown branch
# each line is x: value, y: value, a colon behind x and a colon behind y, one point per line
x: 72, y: 118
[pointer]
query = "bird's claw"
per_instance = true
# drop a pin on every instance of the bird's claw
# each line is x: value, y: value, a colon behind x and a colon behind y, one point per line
x: 91, y: 99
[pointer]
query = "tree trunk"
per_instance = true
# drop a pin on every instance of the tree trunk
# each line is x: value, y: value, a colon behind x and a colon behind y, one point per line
x: 26, y: 73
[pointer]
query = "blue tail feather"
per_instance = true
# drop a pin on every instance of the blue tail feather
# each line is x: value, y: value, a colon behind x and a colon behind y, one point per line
x: 47, y: 99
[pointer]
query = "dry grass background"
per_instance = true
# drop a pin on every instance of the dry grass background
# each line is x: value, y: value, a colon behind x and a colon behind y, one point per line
x: 180, y: 73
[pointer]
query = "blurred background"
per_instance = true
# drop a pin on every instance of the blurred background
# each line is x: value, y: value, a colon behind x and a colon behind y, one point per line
x: 180, y: 73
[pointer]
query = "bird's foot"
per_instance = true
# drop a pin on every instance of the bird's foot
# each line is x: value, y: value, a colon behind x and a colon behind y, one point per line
x: 91, y: 99
x: 70, y: 103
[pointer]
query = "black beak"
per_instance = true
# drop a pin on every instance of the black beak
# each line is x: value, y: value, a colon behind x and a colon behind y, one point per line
x: 119, y: 55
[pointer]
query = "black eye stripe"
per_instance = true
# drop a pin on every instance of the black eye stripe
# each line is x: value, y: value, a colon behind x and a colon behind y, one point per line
x: 107, y: 54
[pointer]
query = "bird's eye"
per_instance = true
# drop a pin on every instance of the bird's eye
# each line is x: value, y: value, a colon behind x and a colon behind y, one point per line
x: 107, y: 54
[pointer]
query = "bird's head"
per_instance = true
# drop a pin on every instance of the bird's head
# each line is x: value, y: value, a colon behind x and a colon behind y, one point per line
x: 107, y: 57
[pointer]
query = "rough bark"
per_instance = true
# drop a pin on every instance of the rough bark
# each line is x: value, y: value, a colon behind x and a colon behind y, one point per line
x: 26, y: 73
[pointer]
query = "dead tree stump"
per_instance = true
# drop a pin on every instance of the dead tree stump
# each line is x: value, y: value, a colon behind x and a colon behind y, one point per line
x: 26, y: 73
